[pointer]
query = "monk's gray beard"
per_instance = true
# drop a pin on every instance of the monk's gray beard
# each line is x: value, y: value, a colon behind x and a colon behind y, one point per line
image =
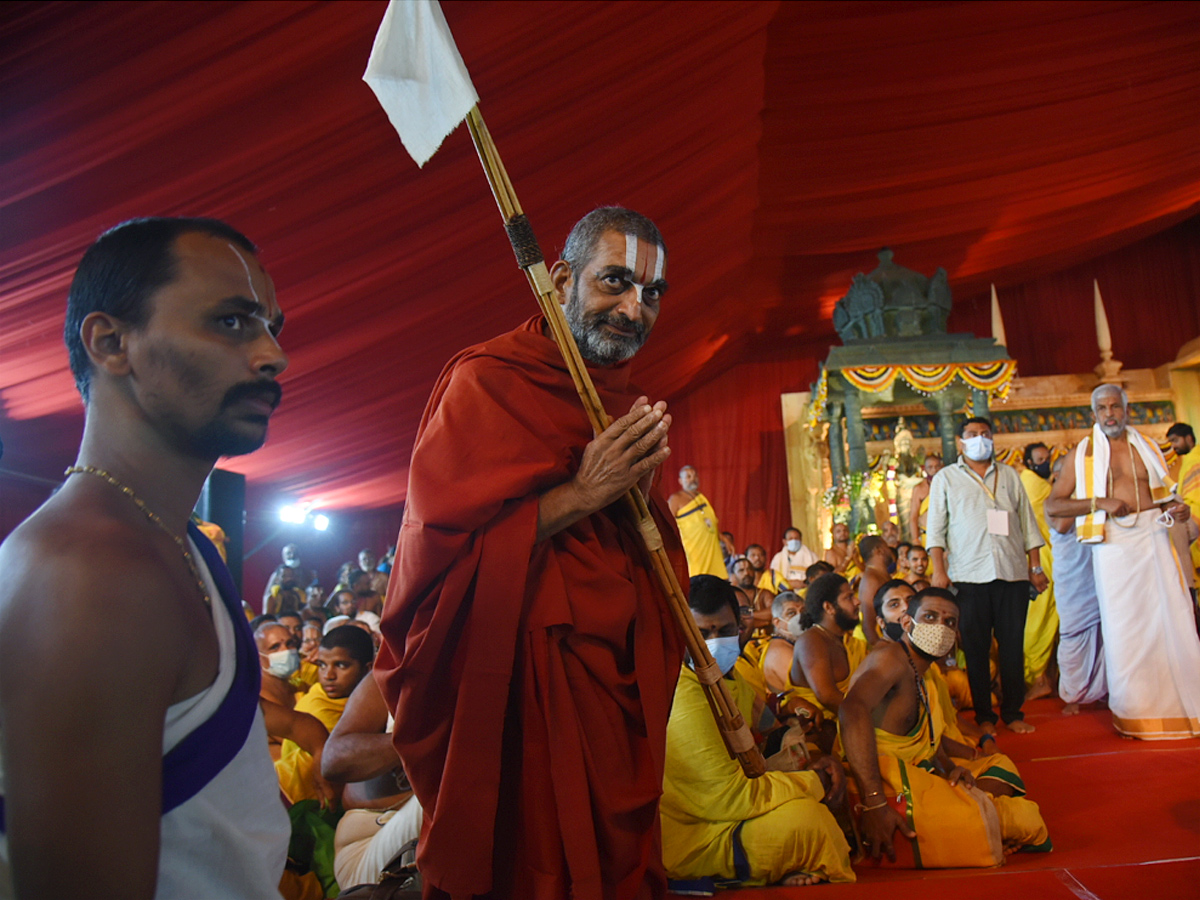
x: 1112, y: 432
x: 596, y: 346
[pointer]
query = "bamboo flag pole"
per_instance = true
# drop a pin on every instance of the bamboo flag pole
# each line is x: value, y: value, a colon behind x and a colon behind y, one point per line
x: 420, y: 79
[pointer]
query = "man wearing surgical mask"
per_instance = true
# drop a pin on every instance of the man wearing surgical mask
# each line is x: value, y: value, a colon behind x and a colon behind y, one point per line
x: 279, y: 656
x: 777, y: 658
x: 892, y: 726
x: 983, y: 538
x: 792, y: 559
x: 779, y: 826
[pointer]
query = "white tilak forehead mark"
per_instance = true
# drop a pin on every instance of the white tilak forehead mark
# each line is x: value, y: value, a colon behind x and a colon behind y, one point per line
x: 631, y: 253
x: 246, y: 266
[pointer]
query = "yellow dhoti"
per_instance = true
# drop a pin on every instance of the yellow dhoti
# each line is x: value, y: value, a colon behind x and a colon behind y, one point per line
x: 700, y: 532
x: 1041, y: 622
x: 717, y: 823
x: 955, y: 825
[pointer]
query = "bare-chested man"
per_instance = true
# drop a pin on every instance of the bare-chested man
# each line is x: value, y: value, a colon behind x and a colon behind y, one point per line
x: 382, y: 815
x: 279, y: 656
x: 786, y: 609
x: 1116, y: 485
x: 877, y: 557
x: 918, y: 504
x: 892, y: 725
x: 171, y: 330
x: 825, y: 654
x: 758, y: 599
x: 842, y: 554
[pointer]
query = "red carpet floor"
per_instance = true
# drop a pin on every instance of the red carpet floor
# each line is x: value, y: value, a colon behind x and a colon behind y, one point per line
x: 1124, y: 817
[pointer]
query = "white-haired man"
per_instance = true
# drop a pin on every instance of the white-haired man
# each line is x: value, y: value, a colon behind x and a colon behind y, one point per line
x: 1115, y: 484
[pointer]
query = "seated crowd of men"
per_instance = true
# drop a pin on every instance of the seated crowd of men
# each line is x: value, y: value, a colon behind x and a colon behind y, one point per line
x: 328, y: 725
x: 847, y: 666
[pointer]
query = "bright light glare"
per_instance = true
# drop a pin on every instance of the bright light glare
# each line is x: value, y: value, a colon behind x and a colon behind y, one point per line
x: 320, y: 522
x: 293, y: 514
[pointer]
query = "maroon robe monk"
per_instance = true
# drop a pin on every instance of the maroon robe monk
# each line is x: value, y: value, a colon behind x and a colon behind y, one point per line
x: 531, y: 679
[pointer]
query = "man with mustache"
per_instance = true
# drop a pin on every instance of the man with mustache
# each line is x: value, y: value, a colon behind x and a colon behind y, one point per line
x: 826, y: 654
x: 892, y: 726
x: 531, y: 700
x: 156, y: 781
x: 1115, y: 483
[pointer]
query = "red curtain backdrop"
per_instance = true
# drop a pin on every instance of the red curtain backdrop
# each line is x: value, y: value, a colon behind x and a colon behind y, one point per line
x: 778, y: 146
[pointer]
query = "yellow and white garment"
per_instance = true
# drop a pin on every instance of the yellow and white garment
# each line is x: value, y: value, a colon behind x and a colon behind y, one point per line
x: 1091, y: 478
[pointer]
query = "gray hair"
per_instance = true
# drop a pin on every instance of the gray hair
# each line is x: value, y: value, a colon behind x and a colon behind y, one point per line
x: 781, y: 599
x: 581, y: 242
x: 1103, y: 389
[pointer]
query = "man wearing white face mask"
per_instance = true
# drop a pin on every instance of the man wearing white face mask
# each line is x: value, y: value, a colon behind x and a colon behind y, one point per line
x: 892, y: 726
x: 982, y: 537
x: 777, y: 658
x: 791, y: 562
x: 279, y: 655
x: 719, y: 825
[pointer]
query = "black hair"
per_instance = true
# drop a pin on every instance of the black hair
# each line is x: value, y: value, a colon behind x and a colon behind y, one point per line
x: 902, y: 544
x: 869, y: 544
x: 119, y: 272
x: 974, y: 420
x: 290, y: 613
x: 792, y: 528
x: 1027, y: 456
x: 319, y: 616
x: 264, y: 619
x: 882, y: 593
x: 1181, y: 429
x: 581, y: 242
x: 354, y: 577
x: 914, y: 602
x: 354, y: 639
x: 708, y: 593
x: 816, y: 570
x: 824, y: 590
x: 750, y: 547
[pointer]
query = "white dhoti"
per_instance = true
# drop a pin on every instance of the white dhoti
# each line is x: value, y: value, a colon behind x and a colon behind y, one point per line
x: 368, y: 839
x: 1151, y: 652
x: 1080, y: 644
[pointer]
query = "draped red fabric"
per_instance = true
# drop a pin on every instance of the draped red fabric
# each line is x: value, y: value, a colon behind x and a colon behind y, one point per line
x: 531, y: 681
x: 777, y: 145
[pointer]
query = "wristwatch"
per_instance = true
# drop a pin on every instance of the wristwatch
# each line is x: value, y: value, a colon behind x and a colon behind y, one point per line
x: 1036, y: 570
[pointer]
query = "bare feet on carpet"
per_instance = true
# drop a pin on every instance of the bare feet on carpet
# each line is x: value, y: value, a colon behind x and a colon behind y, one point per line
x: 987, y: 727
x: 1020, y: 726
x: 1040, y: 688
x: 800, y: 879
x: 1071, y: 709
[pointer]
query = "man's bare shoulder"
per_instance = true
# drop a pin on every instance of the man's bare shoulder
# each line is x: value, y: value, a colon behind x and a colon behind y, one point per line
x: 886, y: 660
x: 71, y: 566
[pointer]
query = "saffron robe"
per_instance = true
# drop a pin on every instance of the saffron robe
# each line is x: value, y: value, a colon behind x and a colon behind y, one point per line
x: 777, y: 820
x: 294, y: 766
x: 701, y: 536
x: 955, y: 825
x: 1041, y: 621
x: 530, y: 681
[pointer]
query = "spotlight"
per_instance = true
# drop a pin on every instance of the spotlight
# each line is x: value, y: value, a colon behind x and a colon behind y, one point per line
x: 320, y: 522
x: 294, y: 515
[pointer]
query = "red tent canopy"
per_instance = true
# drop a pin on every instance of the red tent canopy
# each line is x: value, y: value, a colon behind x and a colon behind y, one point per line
x: 777, y: 145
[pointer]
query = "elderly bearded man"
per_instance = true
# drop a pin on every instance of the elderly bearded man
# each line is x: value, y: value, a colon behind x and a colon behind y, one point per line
x: 155, y: 781
x: 529, y: 657
x: 1115, y: 483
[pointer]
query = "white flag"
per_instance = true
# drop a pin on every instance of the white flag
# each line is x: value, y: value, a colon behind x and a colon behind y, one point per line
x: 418, y: 76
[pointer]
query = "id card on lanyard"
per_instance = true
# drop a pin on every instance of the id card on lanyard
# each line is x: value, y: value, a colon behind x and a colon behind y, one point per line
x: 997, y: 519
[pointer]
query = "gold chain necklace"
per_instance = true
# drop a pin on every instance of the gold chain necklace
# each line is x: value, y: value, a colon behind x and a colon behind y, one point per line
x: 1136, y: 491
x: 152, y: 516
